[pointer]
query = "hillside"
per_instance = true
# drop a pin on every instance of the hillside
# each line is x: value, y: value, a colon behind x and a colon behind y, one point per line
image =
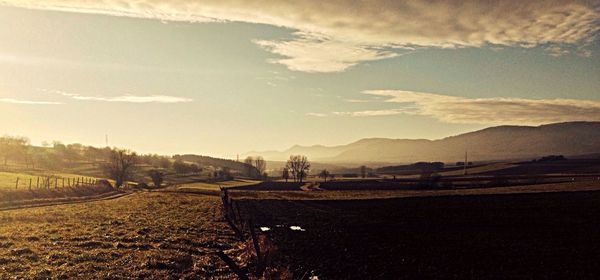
x: 214, y: 162
x: 494, y: 143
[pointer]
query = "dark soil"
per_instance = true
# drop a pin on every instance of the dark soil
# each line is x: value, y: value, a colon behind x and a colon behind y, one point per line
x: 571, y: 166
x: 517, y: 236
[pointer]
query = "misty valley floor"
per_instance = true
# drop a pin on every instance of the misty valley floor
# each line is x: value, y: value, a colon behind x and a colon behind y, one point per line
x: 522, y: 236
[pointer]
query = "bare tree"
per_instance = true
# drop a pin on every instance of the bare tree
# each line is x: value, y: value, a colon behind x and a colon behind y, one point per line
x: 299, y: 167
x: 157, y: 177
x: 120, y: 166
x: 363, y: 171
x: 249, y: 161
x: 260, y: 164
x: 285, y: 174
x: 324, y: 174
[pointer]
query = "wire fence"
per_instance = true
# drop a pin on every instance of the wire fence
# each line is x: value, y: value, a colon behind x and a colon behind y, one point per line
x: 47, y: 182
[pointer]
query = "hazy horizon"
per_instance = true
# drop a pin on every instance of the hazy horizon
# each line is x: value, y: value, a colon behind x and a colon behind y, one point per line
x: 223, y: 78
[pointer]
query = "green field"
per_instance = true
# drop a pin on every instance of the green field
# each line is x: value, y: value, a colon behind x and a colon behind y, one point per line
x: 8, y: 180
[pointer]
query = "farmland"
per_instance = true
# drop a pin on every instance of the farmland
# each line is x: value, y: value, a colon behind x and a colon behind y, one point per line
x: 144, y: 235
x: 464, y: 226
x: 552, y: 235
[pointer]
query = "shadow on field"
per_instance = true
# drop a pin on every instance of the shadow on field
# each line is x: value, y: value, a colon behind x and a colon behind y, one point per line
x: 525, y: 236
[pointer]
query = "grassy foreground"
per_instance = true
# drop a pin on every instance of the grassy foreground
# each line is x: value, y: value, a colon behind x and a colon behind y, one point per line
x: 146, y: 235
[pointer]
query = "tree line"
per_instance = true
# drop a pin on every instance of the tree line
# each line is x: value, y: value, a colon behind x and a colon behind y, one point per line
x: 18, y: 150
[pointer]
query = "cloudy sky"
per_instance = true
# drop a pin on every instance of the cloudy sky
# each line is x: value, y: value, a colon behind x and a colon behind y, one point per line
x: 222, y: 77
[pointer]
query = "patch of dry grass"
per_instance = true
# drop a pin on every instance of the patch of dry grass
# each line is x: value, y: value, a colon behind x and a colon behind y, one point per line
x: 8, y: 180
x: 149, y: 235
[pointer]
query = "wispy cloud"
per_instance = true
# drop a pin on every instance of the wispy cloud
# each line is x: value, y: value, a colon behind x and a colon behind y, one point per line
x: 27, y: 102
x: 359, y: 100
x: 339, y: 34
x: 497, y: 110
x: 313, y: 53
x: 556, y: 51
x: 371, y: 113
x: 319, y: 115
x: 127, y: 98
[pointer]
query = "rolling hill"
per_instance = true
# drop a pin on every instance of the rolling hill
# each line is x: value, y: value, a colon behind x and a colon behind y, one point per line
x: 494, y: 143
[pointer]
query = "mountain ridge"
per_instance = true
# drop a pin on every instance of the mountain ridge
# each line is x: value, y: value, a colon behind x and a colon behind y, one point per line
x: 491, y: 143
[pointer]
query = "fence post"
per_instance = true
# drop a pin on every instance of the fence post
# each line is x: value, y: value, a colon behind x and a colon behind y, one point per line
x: 63, y: 182
x: 255, y: 241
x: 30, y: 183
x: 17, y: 183
x: 37, y: 184
x: 259, y: 257
x: 241, y: 220
x: 56, y: 183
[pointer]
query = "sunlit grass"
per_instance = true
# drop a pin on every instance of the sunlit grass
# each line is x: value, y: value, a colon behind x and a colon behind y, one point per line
x: 9, y: 179
x: 144, y: 235
x: 217, y: 185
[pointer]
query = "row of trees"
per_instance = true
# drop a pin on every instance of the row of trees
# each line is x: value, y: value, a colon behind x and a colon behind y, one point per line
x: 181, y: 167
x: 56, y: 155
x: 122, y: 166
x: 13, y: 148
x: 298, y: 167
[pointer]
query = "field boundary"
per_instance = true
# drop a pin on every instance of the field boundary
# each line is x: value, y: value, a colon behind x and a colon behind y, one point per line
x: 193, y: 191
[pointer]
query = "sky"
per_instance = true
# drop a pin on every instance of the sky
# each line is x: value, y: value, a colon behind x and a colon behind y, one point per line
x: 226, y: 77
